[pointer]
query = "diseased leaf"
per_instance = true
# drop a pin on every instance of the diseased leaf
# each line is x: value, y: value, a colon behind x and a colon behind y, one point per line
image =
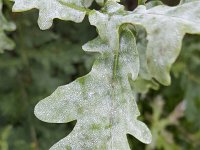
x: 5, y: 42
x: 102, y: 101
x: 153, y: 3
x: 50, y: 9
x: 144, y: 82
x: 187, y: 1
x: 165, y: 26
x: 72, y: 10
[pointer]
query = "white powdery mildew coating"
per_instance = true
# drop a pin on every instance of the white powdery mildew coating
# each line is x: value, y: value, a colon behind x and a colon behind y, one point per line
x: 102, y: 102
x: 104, y: 107
x: 51, y: 9
x: 161, y: 20
x: 157, y: 21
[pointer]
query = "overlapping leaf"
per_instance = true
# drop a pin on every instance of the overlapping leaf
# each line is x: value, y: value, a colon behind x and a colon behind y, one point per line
x: 5, y: 42
x: 165, y: 26
x: 72, y: 10
x: 102, y: 102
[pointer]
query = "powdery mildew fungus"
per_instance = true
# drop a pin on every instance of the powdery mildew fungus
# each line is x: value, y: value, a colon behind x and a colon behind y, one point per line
x: 103, y: 102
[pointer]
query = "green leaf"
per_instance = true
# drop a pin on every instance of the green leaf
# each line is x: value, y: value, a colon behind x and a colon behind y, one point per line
x: 102, y: 101
x: 162, y: 138
x: 193, y: 102
x: 5, y: 42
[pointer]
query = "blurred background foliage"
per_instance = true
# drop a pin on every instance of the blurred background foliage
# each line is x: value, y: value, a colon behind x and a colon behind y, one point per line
x: 43, y: 60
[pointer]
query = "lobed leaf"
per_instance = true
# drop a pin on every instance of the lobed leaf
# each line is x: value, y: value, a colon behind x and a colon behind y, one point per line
x: 102, y: 102
x: 165, y: 26
x: 70, y: 10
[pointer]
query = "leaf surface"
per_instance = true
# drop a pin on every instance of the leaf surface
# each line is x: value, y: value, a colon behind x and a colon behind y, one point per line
x: 70, y: 10
x: 165, y: 26
x: 102, y: 101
